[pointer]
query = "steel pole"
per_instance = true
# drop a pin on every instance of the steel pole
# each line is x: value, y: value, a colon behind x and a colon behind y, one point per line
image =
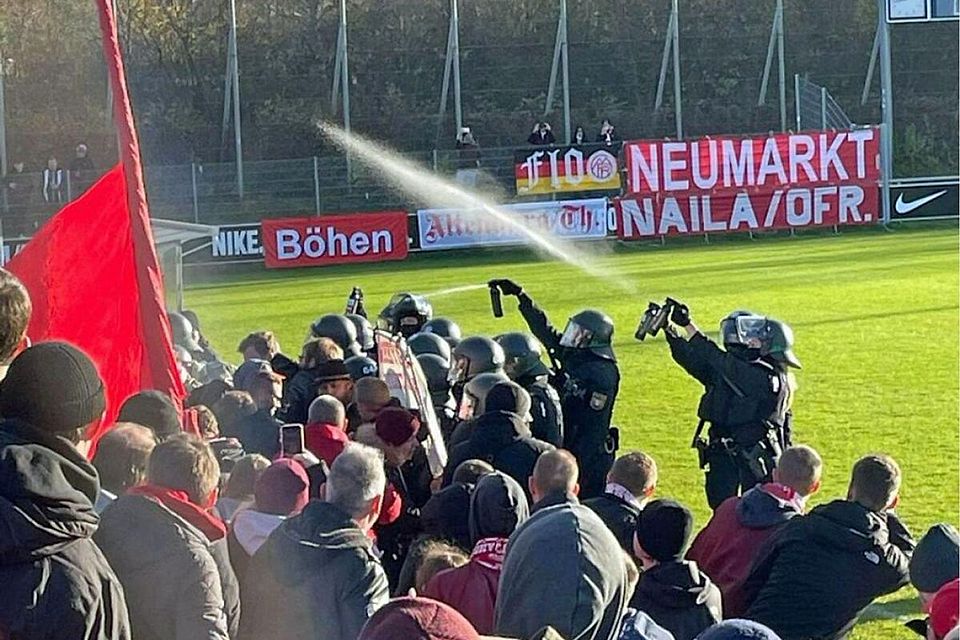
x: 782, y: 68
x: 455, y: 33
x: 237, y: 141
x: 796, y: 98
x: 886, y: 93
x: 3, y: 122
x: 677, y: 106
x: 345, y: 79
x: 564, y: 51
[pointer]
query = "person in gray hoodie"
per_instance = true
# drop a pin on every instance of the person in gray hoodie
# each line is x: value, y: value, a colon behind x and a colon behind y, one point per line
x: 673, y: 591
x: 565, y: 569
x: 317, y: 576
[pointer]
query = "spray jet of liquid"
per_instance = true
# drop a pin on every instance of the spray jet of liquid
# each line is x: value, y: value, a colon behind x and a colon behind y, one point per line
x: 452, y: 290
x: 425, y: 185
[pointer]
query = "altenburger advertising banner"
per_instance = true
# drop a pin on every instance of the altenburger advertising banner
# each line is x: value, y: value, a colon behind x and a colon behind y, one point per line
x: 460, y: 228
x: 725, y: 184
x: 334, y: 239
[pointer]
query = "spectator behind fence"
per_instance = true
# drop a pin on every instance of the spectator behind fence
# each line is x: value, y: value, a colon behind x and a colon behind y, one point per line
x: 81, y: 168
x: 418, y: 619
x: 565, y: 569
x: 317, y: 575
x: 815, y: 577
x: 631, y: 482
x: 15, y: 312
x: 554, y: 480
x: 325, y: 434
x: 56, y: 582
x: 154, y: 410
x: 579, y: 136
x: 259, y: 432
x: 52, y: 187
x: 169, y: 551
x: 121, y: 461
x: 468, y: 158
x: 608, y: 134
x: 502, y: 435
x: 726, y: 547
x: 18, y: 185
x: 259, y: 345
x: 238, y: 492
x: 497, y: 508
x: 282, y: 490
x: 673, y: 591
x: 542, y: 135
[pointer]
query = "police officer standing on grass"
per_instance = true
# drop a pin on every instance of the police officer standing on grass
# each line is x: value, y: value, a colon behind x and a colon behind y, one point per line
x: 587, y: 379
x: 747, y: 397
x: 524, y: 366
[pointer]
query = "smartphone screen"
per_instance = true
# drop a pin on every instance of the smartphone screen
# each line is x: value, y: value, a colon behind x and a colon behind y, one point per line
x: 291, y: 439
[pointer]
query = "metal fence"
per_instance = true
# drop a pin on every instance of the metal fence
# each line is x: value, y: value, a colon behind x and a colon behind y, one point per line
x: 816, y: 108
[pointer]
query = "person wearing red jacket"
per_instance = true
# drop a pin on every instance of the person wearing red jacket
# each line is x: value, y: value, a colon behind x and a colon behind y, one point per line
x: 497, y: 508
x: 325, y: 435
x: 726, y: 547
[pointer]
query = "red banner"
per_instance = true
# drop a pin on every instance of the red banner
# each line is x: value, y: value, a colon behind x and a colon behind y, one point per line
x: 808, y: 179
x: 334, y: 239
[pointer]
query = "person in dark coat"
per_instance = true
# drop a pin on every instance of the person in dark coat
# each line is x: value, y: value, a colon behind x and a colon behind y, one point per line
x: 935, y: 561
x: 817, y: 575
x: 554, y: 480
x: 446, y: 514
x: 673, y: 591
x: 563, y: 568
x: 542, y: 135
x: 55, y: 581
x: 154, y: 410
x: 502, y: 435
x: 497, y: 508
x: 260, y: 431
x: 302, y: 387
x: 317, y: 575
x: 726, y: 547
x: 524, y: 366
x: 630, y: 483
x: 170, y: 551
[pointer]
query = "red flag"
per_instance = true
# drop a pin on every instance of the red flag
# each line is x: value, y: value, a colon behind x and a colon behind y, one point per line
x: 92, y: 271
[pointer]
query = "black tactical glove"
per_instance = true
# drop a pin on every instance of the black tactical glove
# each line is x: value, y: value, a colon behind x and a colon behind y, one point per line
x: 507, y: 287
x: 680, y: 314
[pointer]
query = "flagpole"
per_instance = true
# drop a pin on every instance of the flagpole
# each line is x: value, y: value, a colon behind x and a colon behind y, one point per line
x: 158, y: 367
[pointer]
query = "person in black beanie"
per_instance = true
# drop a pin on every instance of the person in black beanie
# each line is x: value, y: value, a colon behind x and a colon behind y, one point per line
x: 56, y: 582
x: 673, y: 591
x: 154, y: 410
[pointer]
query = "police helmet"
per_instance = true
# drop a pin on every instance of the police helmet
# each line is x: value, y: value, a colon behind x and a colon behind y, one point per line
x: 758, y: 336
x: 429, y: 343
x: 184, y: 334
x: 435, y: 370
x: 338, y: 328
x: 522, y: 352
x: 406, y: 313
x: 360, y: 367
x: 364, y: 331
x: 473, y: 356
x: 446, y: 329
x: 591, y: 330
x: 475, y: 393
x: 779, y: 343
x: 728, y: 329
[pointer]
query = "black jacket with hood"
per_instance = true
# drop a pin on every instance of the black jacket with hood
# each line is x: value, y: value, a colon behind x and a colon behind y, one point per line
x: 679, y: 597
x: 820, y: 571
x: 315, y: 577
x: 502, y: 439
x: 55, y: 581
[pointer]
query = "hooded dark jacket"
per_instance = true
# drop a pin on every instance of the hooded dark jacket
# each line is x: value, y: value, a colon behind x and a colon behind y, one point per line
x: 679, y: 597
x: 498, y: 506
x: 619, y: 515
x: 820, y: 571
x: 315, y: 577
x: 54, y: 581
x: 564, y: 569
x: 726, y: 547
x: 179, y: 583
x: 502, y: 439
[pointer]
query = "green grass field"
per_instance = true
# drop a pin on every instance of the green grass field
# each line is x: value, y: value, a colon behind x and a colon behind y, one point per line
x: 875, y: 316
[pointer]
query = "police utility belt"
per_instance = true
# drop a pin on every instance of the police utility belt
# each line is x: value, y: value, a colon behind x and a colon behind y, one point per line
x: 598, y: 401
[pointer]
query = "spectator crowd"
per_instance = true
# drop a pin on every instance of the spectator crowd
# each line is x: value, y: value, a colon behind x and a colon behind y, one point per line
x: 300, y: 499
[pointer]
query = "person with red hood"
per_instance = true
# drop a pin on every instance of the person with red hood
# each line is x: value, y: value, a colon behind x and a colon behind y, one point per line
x: 325, y: 435
x: 281, y: 491
x: 726, y: 547
x: 498, y: 506
x: 169, y: 550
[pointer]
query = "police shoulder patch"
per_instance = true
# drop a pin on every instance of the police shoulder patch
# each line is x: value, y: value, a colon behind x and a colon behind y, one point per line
x: 598, y: 401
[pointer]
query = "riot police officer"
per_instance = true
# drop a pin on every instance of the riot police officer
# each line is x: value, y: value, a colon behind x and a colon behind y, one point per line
x: 524, y: 366
x: 747, y: 396
x: 405, y: 314
x: 587, y: 380
x: 340, y: 329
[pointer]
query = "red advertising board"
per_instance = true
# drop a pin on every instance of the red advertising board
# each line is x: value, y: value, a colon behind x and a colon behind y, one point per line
x: 334, y: 239
x: 808, y: 179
